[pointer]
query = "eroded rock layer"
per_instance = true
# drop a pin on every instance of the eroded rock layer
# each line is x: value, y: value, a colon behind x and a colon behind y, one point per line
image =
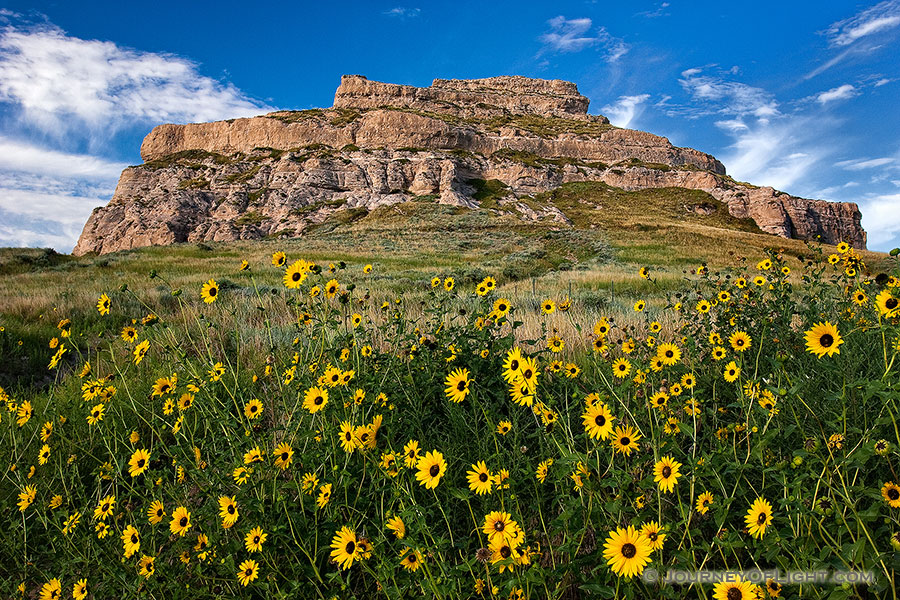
x: 381, y: 144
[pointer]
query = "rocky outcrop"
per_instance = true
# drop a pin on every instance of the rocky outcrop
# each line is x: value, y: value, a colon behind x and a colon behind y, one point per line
x: 381, y: 144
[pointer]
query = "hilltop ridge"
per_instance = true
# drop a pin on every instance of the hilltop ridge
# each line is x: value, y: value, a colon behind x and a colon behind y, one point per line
x: 495, y: 143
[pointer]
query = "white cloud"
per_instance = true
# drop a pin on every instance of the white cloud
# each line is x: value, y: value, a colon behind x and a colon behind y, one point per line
x: 864, y: 163
x: 882, y: 82
x: 61, y: 82
x: 625, y: 109
x: 403, y: 12
x: 79, y: 93
x: 856, y: 36
x: 839, y: 93
x: 25, y: 157
x: 719, y: 95
x: 568, y: 35
x: 574, y: 35
x: 778, y: 152
x: 659, y: 11
x: 881, y: 218
x: 881, y: 17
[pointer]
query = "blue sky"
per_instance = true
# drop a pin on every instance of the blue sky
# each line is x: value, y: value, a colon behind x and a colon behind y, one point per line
x: 798, y: 95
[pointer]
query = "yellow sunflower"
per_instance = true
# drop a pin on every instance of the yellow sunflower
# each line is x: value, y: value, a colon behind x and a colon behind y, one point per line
x: 888, y: 305
x: 457, y: 385
x: 315, y: 399
x: 105, y: 508
x: 396, y: 525
x: 410, y: 560
x: 624, y: 440
x: 704, y: 501
x: 253, y: 409
x: 758, y: 517
x: 283, y: 454
x: 621, y: 368
x: 740, y: 341
x: 156, y: 512
x: 822, y: 339
x: 598, y: 421
x: 666, y: 473
x: 131, y: 540
x: 627, y: 552
x: 653, y: 532
x: 890, y: 491
x: 248, y: 571
x: 430, y: 468
x: 480, y: 479
x: 103, y: 304
x: 181, y: 521
x: 228, y: 510
x: 139, y: 462
x: 735, y: 590
x: 669, y: 354
x: 296, y: 274
x: 254, y: 540
x: 345, y: 548
x: 210, y: 291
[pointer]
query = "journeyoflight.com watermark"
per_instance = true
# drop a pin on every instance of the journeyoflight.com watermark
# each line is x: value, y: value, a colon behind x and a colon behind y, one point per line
x: 759, y: 577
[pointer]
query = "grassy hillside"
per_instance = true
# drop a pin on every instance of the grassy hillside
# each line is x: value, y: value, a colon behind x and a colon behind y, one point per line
x: 614, y: 233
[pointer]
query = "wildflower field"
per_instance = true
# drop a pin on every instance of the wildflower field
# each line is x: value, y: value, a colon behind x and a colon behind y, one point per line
x: 312, y: 439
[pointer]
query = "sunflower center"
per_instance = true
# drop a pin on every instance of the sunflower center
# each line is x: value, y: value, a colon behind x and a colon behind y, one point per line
x: 734, y: 594
x: 231, y: 509
x: 434, y: 470
x: 505, y: 552
x: 600, y: 420
x: 212, y: 291
x: 761, y: 518
x: 134, y: 539
x: 295, y: 277
x: 893, y: 494
x: 284, y: 456
x: 412, y: 558
x: 351, y: 547
x: 629, y: 550
x: 461, y: 386
x: 625, y: 441
x: 499, y: 526
x: 666, y: 472
x: 826, y: 340
x: 482, y: 477
x: 653, y: 536
x: 669, y: 354
x: 183, y: 522
x: 256, y: 539
x: 105, y: 507
x: 140, y: 463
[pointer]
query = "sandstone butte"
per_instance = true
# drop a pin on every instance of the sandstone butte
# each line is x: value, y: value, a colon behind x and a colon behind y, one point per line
x: 281, y: 173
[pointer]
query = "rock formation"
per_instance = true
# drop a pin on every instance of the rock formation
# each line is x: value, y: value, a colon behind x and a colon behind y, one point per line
x: 380, y: 144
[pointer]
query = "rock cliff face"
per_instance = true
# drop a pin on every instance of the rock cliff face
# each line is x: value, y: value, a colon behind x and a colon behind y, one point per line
x: 381, y: 144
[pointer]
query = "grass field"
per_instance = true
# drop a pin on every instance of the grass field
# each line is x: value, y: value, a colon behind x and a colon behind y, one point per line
x: 427, y: 401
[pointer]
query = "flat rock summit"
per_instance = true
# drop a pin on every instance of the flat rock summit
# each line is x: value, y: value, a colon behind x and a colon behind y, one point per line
x: 281, y: 173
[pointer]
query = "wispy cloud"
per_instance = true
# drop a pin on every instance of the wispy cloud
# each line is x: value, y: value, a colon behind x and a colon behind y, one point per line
x: 59, y: 82
x: 860, y: 34
x: 28, y: 158
x: 859, y: 164
x: 623, y: 111
x: 659, y: 11
x: 881, y: 218
x: 574, y: 35
x: 403, y: 12
x: 839, y: 93
x: 79, y: 94
x: 878, y: 18
x: 714, y: 93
